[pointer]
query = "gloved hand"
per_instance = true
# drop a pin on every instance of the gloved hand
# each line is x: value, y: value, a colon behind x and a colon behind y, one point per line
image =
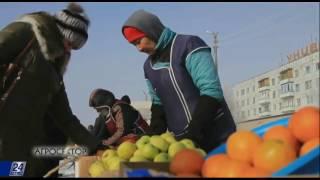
x: 158, y: 123
x: 204, y: 112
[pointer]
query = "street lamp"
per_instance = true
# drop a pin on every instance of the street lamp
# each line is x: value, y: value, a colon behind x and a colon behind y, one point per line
x: 215, y: 47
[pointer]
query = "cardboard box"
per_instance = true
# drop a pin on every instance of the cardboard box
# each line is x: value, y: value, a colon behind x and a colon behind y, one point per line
x: 82, y: 165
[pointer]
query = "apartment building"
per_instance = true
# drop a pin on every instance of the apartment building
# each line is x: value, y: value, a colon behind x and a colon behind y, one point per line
x: 282, y: 90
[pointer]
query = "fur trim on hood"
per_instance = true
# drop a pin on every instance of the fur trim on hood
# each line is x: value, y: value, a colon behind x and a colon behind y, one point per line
x: 47, y: 34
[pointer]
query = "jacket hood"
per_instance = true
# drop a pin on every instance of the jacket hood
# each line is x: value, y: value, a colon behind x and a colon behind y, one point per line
x: 47, y: 34
x: 146, y: 22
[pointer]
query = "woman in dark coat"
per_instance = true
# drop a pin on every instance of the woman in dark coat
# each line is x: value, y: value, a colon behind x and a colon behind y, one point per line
x: 39, y: 95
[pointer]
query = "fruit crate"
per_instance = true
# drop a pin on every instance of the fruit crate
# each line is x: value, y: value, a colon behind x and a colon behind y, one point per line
x: 307, y: 164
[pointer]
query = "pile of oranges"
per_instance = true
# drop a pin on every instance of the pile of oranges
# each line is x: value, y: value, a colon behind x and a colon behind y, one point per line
x: 249, y: 155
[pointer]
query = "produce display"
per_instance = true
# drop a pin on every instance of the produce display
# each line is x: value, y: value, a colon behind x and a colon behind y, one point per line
x: 247, y: 154
x: 156, y: 148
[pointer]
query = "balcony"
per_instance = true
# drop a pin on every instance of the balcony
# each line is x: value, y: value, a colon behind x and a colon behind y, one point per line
x: 287, y: 80
x: 265, y: 113
x: 288, y: 109
x: 286, y: 94
x: 264, y: 100
x: 264, y: 88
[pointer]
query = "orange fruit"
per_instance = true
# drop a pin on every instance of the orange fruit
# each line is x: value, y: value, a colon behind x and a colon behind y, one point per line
x: 213, y: 165
x: 304, y: 123
x: 309, y: 145
x: 186, y: 161
x: 255, y: 172
x: 272, y: 155
x: 241, y: 145
x: 233, y: 168
x: 187, y: 175
x: 282, y: 133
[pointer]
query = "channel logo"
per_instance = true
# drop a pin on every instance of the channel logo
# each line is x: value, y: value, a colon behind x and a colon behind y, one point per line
x: 12, y: 168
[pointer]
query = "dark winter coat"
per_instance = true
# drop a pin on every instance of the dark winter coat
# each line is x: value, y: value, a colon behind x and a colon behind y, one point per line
x: 128, y: 115
x: 39, y: 93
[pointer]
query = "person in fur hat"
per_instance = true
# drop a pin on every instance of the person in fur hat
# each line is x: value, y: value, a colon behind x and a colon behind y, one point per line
x: 187, y: 97
x: 36, y: 112
x: 117, y: 119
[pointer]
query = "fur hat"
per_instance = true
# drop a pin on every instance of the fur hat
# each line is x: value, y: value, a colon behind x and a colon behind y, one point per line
x: 73, y: 24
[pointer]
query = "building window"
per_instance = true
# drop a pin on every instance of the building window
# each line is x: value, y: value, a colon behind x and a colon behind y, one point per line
x: 297, y: 88
x: 242, y: 92
x: 297, y: 72
x: 247, y: 90
x: 248, y: 113
x: 274, y: 107
x: 273, y: 81
x: 308, y: 84
x: 264, y: 94
x: 237, y: 94
x: 287, y: 87
x: 298, y: 102
x: 280, y: 106
x: 242, y: 103
x: 242, y: 114
x: 253, y: 100
x: 248, y: 101
x: 318, y: 66
x: 253, y: 89
x: 309, y: 99
x: 274, y: 94
x: 260, y: 111
x: 307, y: 69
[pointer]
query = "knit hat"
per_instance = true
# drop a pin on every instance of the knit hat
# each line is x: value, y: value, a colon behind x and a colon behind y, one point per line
x: 132, y: 34
x: 73, y: 24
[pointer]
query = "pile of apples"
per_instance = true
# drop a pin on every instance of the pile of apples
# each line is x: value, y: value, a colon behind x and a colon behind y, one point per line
x: 156, y: 148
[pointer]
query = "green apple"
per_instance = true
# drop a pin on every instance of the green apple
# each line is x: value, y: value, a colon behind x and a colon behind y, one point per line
x: 188, y: 143
x: 138, y: 159
x: 142, y: 141
x: 108, y: 153
x: 169, y: 137
x: 158, y: 142
x: 114, y: 163
x: 174, y: 148
x: 138, y: 152
x: 161, y: 157
x: 126, y: 150
x: 202, y: 152
x: 96, y: 168
x: 149, y: 151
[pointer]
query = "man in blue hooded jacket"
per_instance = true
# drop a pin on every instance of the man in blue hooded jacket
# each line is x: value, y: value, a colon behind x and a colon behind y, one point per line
x: 187, y: 98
